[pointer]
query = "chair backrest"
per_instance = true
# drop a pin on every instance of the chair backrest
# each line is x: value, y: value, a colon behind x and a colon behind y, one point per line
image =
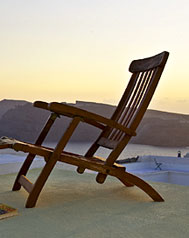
x: 135, y: 100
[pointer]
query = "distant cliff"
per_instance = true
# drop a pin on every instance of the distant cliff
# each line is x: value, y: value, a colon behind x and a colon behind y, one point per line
x: 19, y: 119
x: 5, y: 105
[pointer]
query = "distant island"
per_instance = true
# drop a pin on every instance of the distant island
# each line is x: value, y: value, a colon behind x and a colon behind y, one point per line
x: 20, y: 120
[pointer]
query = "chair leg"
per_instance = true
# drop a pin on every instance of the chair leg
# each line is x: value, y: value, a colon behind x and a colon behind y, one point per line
x: 100, y: 178
x: 91, y: 151
x: 80, y: 170
x: 147, y: 188
x: 23, y: 171
x: 126, y: 183
x: 40, y: 182
x: 29, y: 159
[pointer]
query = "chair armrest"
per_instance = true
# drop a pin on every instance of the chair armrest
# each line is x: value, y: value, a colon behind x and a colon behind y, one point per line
x: 46, y: 106
x: 88, y: 117
x: 40, y: 104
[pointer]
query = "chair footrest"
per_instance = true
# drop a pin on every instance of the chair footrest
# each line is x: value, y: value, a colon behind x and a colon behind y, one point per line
x: 26, y: 183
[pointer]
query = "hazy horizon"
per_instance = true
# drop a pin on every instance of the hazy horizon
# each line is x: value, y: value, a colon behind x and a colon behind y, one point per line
x: 85, y: 101
x: 80, y: 50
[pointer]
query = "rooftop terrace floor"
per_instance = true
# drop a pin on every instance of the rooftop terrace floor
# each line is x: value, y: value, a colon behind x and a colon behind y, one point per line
x: 73, y: 205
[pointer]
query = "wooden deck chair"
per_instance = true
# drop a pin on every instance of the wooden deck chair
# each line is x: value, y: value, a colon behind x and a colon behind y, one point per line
x: 115, y: 135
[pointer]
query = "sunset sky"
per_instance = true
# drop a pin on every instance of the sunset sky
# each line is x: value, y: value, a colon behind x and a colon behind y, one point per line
x: 68, y: 50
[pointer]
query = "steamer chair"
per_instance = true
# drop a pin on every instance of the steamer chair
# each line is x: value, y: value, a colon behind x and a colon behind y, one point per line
x: 116, y: 132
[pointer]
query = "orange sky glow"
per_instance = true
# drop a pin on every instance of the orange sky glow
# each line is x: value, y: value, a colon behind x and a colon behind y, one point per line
x: 80, y: 50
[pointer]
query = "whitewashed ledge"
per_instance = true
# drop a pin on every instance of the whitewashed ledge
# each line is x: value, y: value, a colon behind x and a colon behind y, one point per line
x: 166, y: 169
x: 151, y: 168
x: 167, y: 163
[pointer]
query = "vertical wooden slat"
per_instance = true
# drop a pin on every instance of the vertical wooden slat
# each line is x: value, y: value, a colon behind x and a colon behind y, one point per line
x: 124, y: 109
x: 147, y: 98
x: 133, y: 98
x: 132, y: 104
x: 138, y: 100
x: 139, y: 96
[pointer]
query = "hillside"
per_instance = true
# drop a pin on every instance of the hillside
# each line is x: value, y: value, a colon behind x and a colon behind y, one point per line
x: 6, y: 105
x: 22, y: 121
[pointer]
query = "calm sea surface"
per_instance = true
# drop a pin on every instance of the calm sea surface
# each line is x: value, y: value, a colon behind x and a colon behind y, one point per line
x: 131, y: 150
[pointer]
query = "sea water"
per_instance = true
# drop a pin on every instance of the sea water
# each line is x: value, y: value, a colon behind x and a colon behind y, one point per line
x: 131, y: 150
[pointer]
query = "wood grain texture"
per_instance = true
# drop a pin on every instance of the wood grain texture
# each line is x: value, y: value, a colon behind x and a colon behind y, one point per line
x: 141, y: 65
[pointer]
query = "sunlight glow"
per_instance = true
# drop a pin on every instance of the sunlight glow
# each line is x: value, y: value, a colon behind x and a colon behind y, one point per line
x: 81, y: 50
